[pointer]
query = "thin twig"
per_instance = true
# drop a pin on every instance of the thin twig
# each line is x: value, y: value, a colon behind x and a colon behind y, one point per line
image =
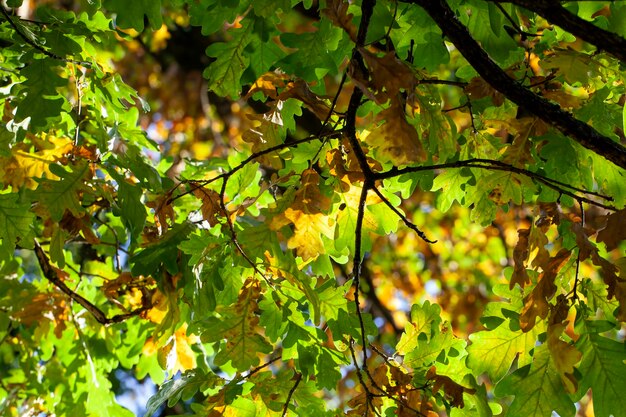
x: 402, y: 217
x: 246, y: 161
x: 39, y: 47
x: 576, y: 279
x: 291, y: 391
x: 489, y: 164
x: 258, y: 368
x: 233, y: 234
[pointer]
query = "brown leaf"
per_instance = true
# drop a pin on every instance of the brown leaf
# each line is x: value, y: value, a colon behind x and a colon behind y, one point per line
x: 565, y: 100
x: 518, y: 153
x: 395, y: 140
x: 388, y: 73
x: 308, y: 198
x: 50, y: 307
x: 266, y: 134
x: 536, y: 303
x: 211, y: 206
x: 564, y: 355
x: 300, y: 90
x: 479, y: 88
x: 337, y: 12
x: 520, y: 255
x: 163, y: 211
x: 451, y: 389
x: 615, y: 231
x: 609, y: 272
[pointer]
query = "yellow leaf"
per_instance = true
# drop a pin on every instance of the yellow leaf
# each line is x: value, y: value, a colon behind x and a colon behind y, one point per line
x: 29, y: 162
x: 308, y: 232
x: 268, y: 84
x: 184, y: 353
x: 265, y: 134
x: 564, y: 355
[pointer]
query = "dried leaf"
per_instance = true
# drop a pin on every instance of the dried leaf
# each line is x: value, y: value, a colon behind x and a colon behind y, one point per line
x: 520, y: 255
x: 300, y: 90
x: 266, y: 134
x: 211, y: 206
x: 50, y: 307
x: 268, y: 84
x: 163, y: 210
x: 337, y: 12
x: 451, y: 389
x: 564, y: 355
x: 615, y: 231
x: 388, y: 73
x: 536, y: 303
x: 479, y: 88
x: 395, y: 140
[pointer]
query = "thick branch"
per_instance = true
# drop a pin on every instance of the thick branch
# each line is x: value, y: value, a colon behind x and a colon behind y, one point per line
x: 587, y: 31
x: 550, y: 113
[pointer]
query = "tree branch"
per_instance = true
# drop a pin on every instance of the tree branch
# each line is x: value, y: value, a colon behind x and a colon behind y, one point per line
x: 39, y: 47
x: 402, y: 217
x: 52, y: 276
x: 489, y: 164
x: 550, y: 113
x: 587, y: 31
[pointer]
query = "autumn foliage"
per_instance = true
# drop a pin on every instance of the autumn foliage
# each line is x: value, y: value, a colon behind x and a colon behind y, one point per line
x: 317, y: 208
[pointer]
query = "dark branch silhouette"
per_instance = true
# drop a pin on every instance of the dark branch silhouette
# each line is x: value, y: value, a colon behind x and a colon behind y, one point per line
x: 550, y: 113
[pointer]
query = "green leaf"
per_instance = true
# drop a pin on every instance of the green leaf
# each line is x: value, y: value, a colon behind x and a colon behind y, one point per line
x: 16, y: 220
x: 493, y: 351
x: 224, y: 74
x: 162, y: 253
x: 182, y: 388
x: 63, y: 194
x: 132, y: 14
x: 319, y: 52
x: 537, y: 388
x: 602, y: 369
x: 40, y: 100
x: 452, y: 183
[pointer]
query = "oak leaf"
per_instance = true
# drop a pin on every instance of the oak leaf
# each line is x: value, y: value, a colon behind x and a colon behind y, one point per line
x: 211, y: 206
x: 308, y: 232
x: 337, y: 12
x: 536, y: 303
x: 395, y: 140
x: 27, y: 162
x: 451, y: 389
x: 520, y: 255
x: 564, y: 355
x: 615, y: 231
x: 388, y: 73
